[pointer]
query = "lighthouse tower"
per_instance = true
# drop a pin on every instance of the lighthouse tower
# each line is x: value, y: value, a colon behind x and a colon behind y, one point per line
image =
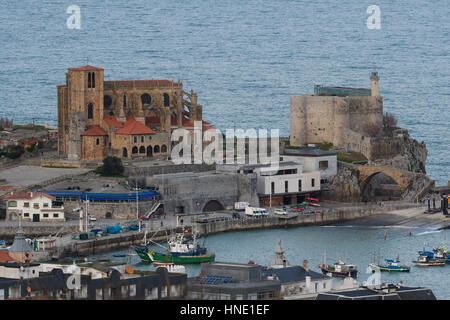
x: 374, y: 80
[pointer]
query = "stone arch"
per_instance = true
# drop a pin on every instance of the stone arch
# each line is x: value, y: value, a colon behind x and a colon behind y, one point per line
x: 149, y: 151
x: 146, y: 100
x: 213, y: 205
x: 108, y: 215
x: 163, y: 148
x: 373, y: 186
x: 125, y: 153
x: 166, y: 99
x: 107, y: 101
x: 142, y: 149
x: 134, y: 150
x: 156, y: 149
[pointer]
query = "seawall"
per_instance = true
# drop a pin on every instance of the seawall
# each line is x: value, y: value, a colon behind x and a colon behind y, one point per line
x: 124, y: 240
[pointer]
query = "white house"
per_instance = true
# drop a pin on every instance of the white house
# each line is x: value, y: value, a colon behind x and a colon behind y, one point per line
x: 286, y: 184
x: 33, y: 206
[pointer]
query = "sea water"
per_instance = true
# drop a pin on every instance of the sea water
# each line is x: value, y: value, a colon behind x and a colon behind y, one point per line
x: 244, y: 58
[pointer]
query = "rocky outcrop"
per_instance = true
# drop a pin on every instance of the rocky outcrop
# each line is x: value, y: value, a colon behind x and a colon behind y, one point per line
x: 344, y: 186
x: 413, y: 157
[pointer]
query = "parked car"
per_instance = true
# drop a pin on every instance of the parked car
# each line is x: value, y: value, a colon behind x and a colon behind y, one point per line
x: 280, y: 212
x: 237, y: 215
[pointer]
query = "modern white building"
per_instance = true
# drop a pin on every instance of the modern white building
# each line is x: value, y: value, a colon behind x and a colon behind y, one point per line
x: 33, y: 206
x: 287, y: 183
x: 314, y: 159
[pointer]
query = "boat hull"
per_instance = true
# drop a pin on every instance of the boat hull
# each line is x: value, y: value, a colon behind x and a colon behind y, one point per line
x: 389, y: 269
x: 353, y: 274
x: 151, y: 256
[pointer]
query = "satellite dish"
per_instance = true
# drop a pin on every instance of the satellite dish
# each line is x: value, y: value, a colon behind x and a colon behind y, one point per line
x: 129, y: 270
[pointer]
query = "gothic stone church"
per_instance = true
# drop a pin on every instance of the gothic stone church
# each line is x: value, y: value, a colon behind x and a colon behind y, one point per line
x: 127, y: 119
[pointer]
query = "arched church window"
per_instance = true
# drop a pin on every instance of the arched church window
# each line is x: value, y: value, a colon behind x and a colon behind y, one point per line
x: 107, y: 101
x: 124, y: 101
x: 146, y: 99
x: 93, y: 79
x: 156, y: 149
x: 134, y: 150
x: 89, y: 80
x: 166, y: 100
x: 90, y: 111
x: 142, y: 149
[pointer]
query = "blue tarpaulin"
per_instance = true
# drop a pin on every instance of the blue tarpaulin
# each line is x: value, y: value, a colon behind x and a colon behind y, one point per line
x: 131, y: 196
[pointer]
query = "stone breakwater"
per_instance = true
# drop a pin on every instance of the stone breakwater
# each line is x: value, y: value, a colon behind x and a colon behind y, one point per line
x: 124, y: 240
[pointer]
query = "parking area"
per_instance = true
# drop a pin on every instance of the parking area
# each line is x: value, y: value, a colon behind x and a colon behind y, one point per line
x: 22, y: 176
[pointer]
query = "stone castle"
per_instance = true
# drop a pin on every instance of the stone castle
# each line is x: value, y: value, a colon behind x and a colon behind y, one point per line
x: 127, y: 119
x: 335, y: 115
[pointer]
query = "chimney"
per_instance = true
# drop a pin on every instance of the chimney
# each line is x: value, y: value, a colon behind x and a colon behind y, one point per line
x: 305, y: 265
x: 308, y: 283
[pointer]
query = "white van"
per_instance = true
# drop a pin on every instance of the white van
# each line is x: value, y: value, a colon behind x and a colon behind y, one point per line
x: 256, y: 212
x: 240, y: 206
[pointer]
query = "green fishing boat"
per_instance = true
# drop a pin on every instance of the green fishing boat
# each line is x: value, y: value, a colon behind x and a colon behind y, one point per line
x: 179, y: 251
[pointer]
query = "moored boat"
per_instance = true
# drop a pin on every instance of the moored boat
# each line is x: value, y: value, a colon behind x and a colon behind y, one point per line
x: 340, y: 269
x: 426, y: 261
x: 179, y: 251
x: 391, y: 265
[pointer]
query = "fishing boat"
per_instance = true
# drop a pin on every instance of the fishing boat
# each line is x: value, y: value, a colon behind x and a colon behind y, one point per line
x: 179, y: 251
x: 426, y: 261
x: 391, y: 265
x: 340, y: 269
x: 437, y: 253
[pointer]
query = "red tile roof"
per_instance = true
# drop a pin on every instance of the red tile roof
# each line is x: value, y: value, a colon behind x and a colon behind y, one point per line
x: 113, y: 122
x: 152, y: 120
x: 4, y: 256
x: 85, y: 68
x: 94, y: 131
x: 187, y: 123
x: 28, y: 195
x: 134, y: 127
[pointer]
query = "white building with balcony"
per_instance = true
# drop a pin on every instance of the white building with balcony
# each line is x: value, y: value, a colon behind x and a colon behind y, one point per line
x: 33, y: 206
x: 288, y: 183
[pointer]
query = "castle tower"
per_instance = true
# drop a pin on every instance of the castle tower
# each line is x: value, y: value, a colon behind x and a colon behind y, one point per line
x: 85, y: 104
x: 374, y: 79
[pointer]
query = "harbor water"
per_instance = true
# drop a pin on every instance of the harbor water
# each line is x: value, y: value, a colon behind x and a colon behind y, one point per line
x: 355, y: 244
x: 243, y: 58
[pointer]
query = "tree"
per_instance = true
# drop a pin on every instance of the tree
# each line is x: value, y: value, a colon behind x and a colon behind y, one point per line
x: 389, y: 123
x: 112, y: 166
x: 373, y: 129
